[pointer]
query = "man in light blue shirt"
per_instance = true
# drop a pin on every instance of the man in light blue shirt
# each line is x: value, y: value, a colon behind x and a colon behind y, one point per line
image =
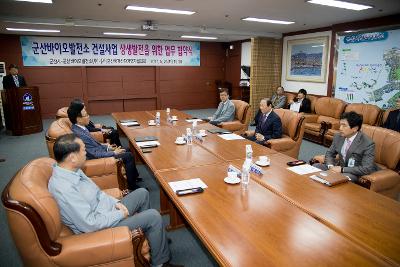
x: 226, y: 109
x: 85, y: 208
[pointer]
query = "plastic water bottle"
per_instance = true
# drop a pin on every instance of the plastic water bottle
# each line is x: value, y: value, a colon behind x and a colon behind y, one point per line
x: 189, y: 136
x: 245, y: 174
x: 249, y: 153
x: 168, y: 115
x: 158, y: 118
x: 194, y: 127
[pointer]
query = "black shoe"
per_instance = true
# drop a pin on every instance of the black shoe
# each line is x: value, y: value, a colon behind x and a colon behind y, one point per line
x: 167, y: 264
x: 138, y: 179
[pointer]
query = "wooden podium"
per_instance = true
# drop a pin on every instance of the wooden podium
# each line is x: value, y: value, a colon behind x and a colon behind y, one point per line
x: 21, y: 108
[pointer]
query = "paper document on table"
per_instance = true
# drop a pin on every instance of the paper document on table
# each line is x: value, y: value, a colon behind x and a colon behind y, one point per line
x: 304, y: 169
x: 130, y: 123
x: 230, y: 136
x: 148, y: 144
x: 192, y: 120
x: 187, y: 184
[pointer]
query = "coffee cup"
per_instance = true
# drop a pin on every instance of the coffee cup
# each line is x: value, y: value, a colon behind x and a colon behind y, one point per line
x: 232, y: 175
x: 264, y: 159
x: 202, y: 132
x: 179, y: 139
x: 152, y: 122
x: 168, y: 110
x: 174, y: 117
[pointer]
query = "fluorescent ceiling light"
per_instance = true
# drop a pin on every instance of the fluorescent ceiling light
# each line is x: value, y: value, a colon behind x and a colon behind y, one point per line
x: 160, y: 10
x: 37, y: 1
x: 30, y: 30
x: 317, y: 45
x: 124, y: 34
x: 268, y: 20
x: 349, y: 31
x: 339, y: 4
x: 198, y: 37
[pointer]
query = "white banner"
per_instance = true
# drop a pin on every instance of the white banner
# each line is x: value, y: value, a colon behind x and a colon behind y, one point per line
x: 69, y: 51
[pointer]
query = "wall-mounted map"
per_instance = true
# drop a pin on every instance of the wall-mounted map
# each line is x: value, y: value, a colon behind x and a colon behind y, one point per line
x: 368, y: 68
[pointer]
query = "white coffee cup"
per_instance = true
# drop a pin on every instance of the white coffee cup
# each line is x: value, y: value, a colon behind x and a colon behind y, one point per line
x: 179, y: 139
x: 152, y: 122
x: 264, y: 159
x: 202, y: 132
x: 174, y: 117
x: 232, y: 175
x: 168, y: 110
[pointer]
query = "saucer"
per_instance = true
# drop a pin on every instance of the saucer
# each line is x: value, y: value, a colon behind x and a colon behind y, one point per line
x: 152, y: 124
x: 180, y: 143
x: 259, y: 163
x: 174, y: 119
x: 203, y: 135
x: 232, y: 181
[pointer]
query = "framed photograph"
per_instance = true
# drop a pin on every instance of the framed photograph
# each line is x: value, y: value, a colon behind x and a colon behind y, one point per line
x: 306, y: 59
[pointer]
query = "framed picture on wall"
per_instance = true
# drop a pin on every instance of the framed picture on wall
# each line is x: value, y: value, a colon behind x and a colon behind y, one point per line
x: 307, y: 59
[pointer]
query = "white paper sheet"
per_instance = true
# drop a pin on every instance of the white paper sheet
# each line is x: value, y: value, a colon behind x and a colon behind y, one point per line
x: 148, y: 143
x: 304, y: 169
x: 192, y: 120
x: 230, y: 136
x: 131, y: 123
x: 187, y: 184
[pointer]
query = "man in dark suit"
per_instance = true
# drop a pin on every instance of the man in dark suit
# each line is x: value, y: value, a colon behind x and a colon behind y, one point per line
x: 301, y: 103
x: 13, y: 80
x: 278, y: 101
x: 393, y: 120
x: 269, y: 124
x: 356, y: 150
x: 94, y: 150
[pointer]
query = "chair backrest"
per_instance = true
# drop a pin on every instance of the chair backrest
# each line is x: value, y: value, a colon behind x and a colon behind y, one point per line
x: 369, y: 112
x: 385, y: 115
x: 62, y: 113
x: 241, y: 110
x: 290, y: 96
x: 329, y: 107
x: 33, y: 214
x: 57, y: 128
x: 313, y: 100
x: 387, y: 145
x: 291, y: 122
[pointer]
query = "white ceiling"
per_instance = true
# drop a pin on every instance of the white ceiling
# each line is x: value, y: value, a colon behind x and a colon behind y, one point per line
x: 220, y: 18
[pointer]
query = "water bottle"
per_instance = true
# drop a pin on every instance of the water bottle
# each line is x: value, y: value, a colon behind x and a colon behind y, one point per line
x: 189, y: 136
x: 249, y: 153
x: 158, y: 118
x: 168, y: 115
x: 194, y: 127
x: 245, y: 174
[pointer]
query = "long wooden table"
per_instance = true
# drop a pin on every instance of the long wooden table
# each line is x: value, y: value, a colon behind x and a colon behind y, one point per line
x: 354, y: 219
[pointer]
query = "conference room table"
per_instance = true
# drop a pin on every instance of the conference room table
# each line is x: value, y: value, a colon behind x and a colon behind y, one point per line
x: 282, y: 219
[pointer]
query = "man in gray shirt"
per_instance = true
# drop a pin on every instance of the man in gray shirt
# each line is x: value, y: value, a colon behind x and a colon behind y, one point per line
x: 226, y: 109
x: 85, y: 208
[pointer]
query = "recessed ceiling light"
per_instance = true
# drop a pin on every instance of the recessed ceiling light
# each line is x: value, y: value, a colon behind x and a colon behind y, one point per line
x: 37, y: 1
x: 124, y: 33
x: 340, y: 4
x: 198, y: 37
x: 268, y: 20
x: 30, y: 30
x: 159, y: 10
x: 348, y: 31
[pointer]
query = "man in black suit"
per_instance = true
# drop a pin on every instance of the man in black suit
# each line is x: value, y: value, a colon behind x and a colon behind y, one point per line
x: 13, y: 80
x: 300, y: 103
x: 393, y: 120
x: 269, y: 124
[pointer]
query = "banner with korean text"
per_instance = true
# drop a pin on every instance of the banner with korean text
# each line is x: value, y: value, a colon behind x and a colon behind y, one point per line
x: 71, y: 51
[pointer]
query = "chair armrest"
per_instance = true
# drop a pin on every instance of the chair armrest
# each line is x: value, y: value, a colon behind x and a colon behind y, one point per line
x: 313, y: 118
x: 232, y: 125
x: 105, y: 246
x: 99, y: 136
x: 114, y: 192
x: 380, y: 180
x: 281, y: 144
x: 106, y: 172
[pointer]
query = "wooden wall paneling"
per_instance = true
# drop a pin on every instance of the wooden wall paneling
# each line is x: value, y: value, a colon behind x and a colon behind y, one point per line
x: 140, y: 104
x: 139, y: 81
x: 232, y: 70
x: 102, y: 107
x: 157, y: 87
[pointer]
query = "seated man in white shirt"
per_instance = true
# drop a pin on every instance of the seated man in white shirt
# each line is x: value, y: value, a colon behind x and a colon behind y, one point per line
x: 226, y: 109
x: 85, y: 208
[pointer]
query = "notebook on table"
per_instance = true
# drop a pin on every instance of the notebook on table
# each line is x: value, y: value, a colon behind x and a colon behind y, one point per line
x: 145, y: 138
x: 329, y: 178
x: 128, y: 120
x: 219, y: 131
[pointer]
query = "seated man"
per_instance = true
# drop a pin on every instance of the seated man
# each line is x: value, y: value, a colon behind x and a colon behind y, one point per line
x: 355, y: 149
x: 110, y: 132
x: 278, y: 101
x: 301, y: 103
x: 393, y: 120
x: 269, y: 125
x: 226, y: 109
x: 85, y: 208
x: 79, y: 118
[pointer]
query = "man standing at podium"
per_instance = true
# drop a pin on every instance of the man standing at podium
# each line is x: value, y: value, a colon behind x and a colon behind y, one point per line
x: 13, y: 80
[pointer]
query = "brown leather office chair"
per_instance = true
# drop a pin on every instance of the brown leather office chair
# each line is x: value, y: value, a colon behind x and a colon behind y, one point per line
x: 100, y: 170
x: 242, y: 118
x: 62, y: 113
x: 41, y: 238
x: 292, y: 133
x: 386, y: 181
x: 370, y: 113
x: 327, y: 116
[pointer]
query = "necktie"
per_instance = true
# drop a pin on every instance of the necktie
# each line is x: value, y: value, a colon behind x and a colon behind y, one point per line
x: 347, y: 147
x: 264, y: 118
x: 16, y: 80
